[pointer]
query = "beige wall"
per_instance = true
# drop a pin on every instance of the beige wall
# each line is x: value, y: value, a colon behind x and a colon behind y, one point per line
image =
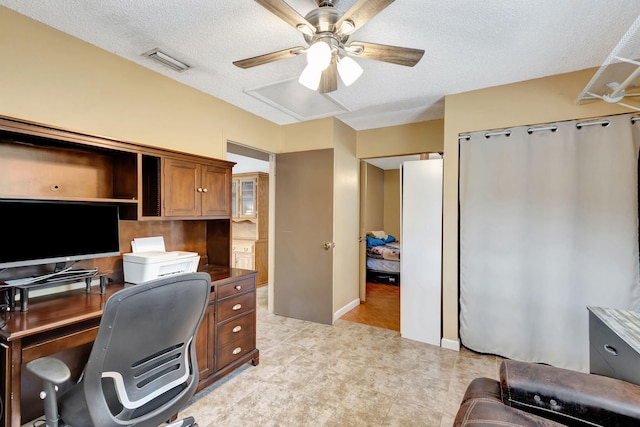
x: 526, y: 103
x: 414, y: 138
x: 382, y: 211
x: 392, y: 202
x: 374, y: 198
x: 312, y: 135
x: 50, y: 77
x: 346, y: 205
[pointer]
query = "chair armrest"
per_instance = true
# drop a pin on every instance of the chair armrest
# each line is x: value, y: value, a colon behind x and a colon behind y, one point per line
x: 50, y: 369
x: 568, y: 396
x: 52, y: 372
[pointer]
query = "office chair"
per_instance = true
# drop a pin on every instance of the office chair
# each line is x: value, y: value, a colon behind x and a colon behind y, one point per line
x: 142, y: 368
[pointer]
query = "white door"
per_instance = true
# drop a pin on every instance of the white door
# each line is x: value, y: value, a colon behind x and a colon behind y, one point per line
x: 421, y: 249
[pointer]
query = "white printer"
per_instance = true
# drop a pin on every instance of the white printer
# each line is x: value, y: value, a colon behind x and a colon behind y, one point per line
x: 150, y: 261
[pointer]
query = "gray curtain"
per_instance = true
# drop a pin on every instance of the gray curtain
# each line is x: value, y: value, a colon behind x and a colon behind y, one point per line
x: 548, y: 226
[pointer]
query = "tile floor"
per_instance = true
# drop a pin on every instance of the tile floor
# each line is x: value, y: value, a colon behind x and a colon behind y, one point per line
x: 348, y: 374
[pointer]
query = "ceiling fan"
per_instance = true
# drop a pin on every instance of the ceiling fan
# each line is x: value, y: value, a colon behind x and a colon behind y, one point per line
x: 326, y: 31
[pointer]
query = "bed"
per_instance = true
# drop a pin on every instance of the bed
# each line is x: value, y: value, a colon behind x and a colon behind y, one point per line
x: 383, y: 258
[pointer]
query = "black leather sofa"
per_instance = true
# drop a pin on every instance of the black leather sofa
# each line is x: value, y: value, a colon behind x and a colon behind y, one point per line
x: 530, y: 394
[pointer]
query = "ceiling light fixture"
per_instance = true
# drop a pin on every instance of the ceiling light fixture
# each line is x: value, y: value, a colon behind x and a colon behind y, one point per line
x: 348, y: 70
x: 165, y: 59
x: 327, y: 28
x: 310, y: 77
x: 318, y: 59
x: 320, y: 56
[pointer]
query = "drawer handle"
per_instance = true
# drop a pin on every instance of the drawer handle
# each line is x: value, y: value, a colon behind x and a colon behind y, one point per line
x: 237, y: 307
x: 237, y: 329
x: 237, y: 350
x: 611, y: 350
x: 238, y: 287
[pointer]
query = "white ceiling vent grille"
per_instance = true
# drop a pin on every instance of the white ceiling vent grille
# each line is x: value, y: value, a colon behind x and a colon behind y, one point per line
x: 167, y: 60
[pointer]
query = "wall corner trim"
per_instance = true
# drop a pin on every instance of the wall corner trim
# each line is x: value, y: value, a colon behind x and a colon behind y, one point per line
x: 450, y: 344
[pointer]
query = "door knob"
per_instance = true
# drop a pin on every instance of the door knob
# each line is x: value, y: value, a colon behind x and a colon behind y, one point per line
x: 329, y: 245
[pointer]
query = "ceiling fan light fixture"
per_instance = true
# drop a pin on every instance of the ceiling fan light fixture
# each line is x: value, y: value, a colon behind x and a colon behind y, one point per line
x: 319, y: 55
x: 349, y: 70
x: 310, y: 77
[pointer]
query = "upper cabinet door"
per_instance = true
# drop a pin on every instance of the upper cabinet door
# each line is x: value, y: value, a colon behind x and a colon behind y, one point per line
x: 183, y: 192
x: 216, y: 197
x: 196, y: 189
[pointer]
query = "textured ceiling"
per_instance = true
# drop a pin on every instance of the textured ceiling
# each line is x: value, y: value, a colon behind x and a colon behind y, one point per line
x: 469, y: 45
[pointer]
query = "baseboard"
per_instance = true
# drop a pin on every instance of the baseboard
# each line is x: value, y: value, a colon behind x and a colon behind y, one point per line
x: 450, y: 344
x: 353, y: 304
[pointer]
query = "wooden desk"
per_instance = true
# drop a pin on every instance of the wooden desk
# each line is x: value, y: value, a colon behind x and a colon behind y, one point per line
x: 65, y: 325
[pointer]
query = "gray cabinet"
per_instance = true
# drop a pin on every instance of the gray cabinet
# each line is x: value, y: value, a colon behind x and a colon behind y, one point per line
x: 614, y: 343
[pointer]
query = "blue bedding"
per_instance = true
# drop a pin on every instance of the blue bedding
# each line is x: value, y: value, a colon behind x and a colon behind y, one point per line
x: 372, y: 241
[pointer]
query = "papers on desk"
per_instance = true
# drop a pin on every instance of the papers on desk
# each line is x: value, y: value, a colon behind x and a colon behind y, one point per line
x: 149, y: 260
x: 148, y: 244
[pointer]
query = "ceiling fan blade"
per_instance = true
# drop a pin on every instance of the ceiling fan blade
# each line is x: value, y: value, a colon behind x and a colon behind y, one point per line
x: 268, y: 57
x: 380, y: 52
x: 329, y: 79
x: 285, y: 12
x: 362, y: 11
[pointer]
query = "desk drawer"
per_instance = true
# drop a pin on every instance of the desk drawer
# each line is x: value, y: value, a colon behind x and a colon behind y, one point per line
x: 236, y: 329
x: 235, y: 306
x: 237, y: 287
x: 234, y: 350
x: 610, y: 355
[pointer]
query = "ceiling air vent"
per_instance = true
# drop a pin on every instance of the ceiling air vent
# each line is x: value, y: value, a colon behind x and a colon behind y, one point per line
x: 165, y: 59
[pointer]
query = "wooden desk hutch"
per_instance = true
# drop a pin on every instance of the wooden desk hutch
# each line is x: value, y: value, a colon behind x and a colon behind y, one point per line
x: 186, y: 198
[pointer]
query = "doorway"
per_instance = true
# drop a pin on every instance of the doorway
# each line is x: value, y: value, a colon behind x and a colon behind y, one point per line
x: 251, y: 211
x: 380, y: 280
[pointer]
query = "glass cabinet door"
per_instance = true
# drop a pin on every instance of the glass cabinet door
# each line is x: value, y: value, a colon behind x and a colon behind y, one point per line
x: 248, y: 198
x: 234, y: 198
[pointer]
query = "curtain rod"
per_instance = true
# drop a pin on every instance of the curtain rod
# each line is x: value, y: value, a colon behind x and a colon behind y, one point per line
x: 552, y: 128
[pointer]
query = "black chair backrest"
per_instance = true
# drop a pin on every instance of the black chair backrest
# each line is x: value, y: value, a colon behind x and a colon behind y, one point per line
x: 142, y: 369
